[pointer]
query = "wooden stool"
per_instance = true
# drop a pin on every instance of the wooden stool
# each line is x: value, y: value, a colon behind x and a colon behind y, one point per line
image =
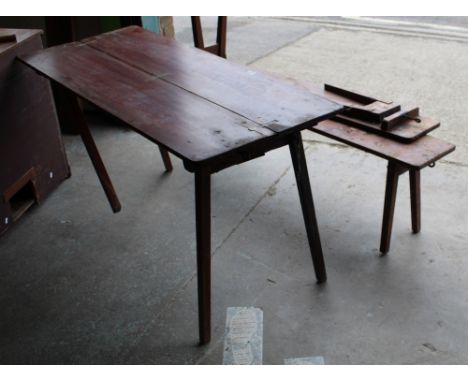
x: 401, y: 157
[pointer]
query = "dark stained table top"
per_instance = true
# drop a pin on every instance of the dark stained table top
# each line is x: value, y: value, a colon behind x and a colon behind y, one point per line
x: 197, y: 105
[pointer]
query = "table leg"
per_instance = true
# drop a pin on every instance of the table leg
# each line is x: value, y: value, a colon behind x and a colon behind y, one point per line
x: 307, y: 204
x: 203, y: 228
x: 166, y: 158
x: 93, y: 152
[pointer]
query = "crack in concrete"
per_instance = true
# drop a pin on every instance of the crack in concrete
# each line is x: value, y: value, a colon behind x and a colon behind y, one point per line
x: 281, y: 47
x: 265, y: 194
x: 453, y: 163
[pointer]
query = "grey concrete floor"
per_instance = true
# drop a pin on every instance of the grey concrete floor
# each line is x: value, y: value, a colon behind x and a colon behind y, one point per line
x: 79, y: 284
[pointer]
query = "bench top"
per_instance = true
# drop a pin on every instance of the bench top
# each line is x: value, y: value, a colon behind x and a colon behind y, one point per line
x: 193, y: 103
x: 417, y: 154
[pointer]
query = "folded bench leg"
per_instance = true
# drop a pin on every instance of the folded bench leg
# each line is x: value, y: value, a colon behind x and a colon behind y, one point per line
x: 307, y: 204
x: 93, y: 152
x: 393, y: 172
x: 415, y: 189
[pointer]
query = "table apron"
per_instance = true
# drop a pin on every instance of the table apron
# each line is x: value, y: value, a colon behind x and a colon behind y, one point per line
x: 238, y: 156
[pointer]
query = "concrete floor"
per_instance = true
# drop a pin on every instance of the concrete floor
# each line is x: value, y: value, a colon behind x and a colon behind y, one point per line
x: 79, y: 284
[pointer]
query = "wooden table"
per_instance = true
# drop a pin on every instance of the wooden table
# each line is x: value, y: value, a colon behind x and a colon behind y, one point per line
x: 208, y: 111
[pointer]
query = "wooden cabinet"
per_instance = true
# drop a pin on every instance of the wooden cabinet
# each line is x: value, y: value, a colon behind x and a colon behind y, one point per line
x: 32, y: 156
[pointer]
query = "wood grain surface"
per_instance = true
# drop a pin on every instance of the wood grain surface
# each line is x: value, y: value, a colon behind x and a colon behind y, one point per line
x: 195, y: 104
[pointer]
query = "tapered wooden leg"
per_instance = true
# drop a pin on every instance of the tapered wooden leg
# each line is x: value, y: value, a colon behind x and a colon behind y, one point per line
x: 393, y: 172
x: 221, y: 36
x: 203, y: 222
x: 415, y: 189
x: 166, y: 159
x: 307, y: 205
x: 92, y: 150
x: 197, y: 32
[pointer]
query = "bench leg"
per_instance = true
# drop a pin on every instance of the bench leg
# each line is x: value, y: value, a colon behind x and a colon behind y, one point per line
x: 307, y: 204
x: 166, y: 158
x: 203, y: 229
x: 393, y: 172
x: 415, y: 189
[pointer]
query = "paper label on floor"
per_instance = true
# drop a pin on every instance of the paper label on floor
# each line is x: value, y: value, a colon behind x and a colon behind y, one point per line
x: 305, y: 361
x: 243, y: 341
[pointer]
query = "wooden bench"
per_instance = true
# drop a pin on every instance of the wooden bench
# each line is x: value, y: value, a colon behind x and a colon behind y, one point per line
x: 402, y: 157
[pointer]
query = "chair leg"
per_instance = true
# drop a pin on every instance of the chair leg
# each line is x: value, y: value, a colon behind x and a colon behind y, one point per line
x: 197, y: 32
x: 221, y: 36
x: 166, y: 159
x: 393, y: 172
x: 220, y: 47
x: 203, y: 228
x: 307, y: 204
x: 415, y: 189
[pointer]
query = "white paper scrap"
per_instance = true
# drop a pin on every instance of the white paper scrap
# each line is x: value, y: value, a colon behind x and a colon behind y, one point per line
x: 243, y: 341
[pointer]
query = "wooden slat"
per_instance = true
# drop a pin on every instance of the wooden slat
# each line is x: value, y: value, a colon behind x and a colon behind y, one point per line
x: 182, y: 122
x: 418, y: 154
x: 407, y: 131
x: 277, y: 105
